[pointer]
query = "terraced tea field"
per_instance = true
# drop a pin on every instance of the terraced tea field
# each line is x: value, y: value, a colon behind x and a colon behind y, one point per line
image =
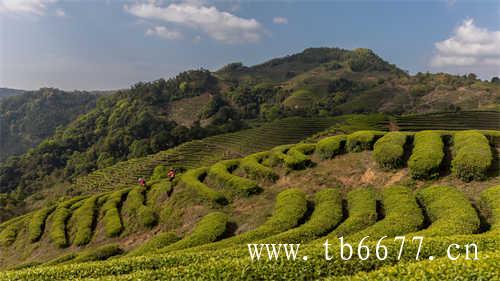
x: 203, y: 220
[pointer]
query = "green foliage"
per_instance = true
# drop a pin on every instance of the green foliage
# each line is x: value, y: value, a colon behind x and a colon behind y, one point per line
x: 220, y: 173
x: 362, y: 140
x: 36, y: 226
x: 9, y: 234
x: 472, y: 156
x: 158, y: 192
x: 331, y: 146
x: 402, y: 215
x: 84, y: 218
x: 362, y: 209
x: 99, y: 254
x: 449, y: 211
x: 289, y: 209
x: 326, y: 215
x: 298, y: 156
x: 160, y: 172
x: 389, y: 150
x: 60, y: 218
x: 427, y: 155
x: 111, y: 213
x: 442, y: 269
x: 490, y: 201
x: 192, y: 179
x: 210, y: 228
x: 157, y: 242
x: 135, y: 209
x: 253, y: 167
x: 30, y: 117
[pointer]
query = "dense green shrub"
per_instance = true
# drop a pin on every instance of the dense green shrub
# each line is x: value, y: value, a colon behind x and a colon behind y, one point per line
x: 449, y: 211
x: 60, y: 218
x: 136, y: 210
x: 61, y: 259
x: 362, y: 140
x: 490, y: 201
x: 9, y: 233
x: 37, y: 223
x: 442, y: 269
x: 362, y: 212
x: 158, y: 192
x: 289, y: 209
x: 192, y: 179
x: 389, y: 151
x: 84, y: 218
x: 111, y: 213
x: 427, y: 155
x: 297, y: 156
x: 159, y: 172
x: 220, y: 173
x: 472, y: 155
x: 253, y: 167
x: 277, y: 155
x: 402, y: 215
x: 330, y: 146
x: 157, y: 242
x: 99, y: 254
x: 210, y: 228
x: 326, y: 215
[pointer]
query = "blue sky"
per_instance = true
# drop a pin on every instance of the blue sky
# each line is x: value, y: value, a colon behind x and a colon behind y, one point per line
x: 114, y: 44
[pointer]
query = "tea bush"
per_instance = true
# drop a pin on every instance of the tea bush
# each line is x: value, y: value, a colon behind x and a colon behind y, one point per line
x: 192, y: 179
x: 427, y: 155
x: 389, y: 151
x: 329, y: 147
x: 220, y: 173
x: 472, y: 156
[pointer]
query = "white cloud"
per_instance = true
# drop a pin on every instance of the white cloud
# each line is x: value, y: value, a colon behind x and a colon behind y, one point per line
x: 280, y: 20
x: 25, y: 6
x: 468, y: 46
x: 221, y: 26
x: 163, y: 32
x: 60, y: 13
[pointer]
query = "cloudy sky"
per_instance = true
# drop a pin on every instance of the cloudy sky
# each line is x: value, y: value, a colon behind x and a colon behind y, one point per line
x: 113, y: 44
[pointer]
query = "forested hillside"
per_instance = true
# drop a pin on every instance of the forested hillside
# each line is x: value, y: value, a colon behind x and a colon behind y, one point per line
x: 27, y: 118
x: 154, y: 116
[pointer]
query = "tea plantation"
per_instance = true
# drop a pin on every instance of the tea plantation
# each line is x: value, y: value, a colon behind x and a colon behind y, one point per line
x: 197, y: 226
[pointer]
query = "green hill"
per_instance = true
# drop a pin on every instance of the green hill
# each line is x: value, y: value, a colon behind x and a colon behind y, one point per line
x: 110, y: 222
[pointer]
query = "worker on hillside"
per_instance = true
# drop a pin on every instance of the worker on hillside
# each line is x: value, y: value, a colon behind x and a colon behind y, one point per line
x: 141, y: 181
x: 171, y: 174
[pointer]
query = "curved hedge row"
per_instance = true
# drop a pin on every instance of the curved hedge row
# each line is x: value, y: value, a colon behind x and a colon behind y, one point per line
x: 362, y: 209
x: 99, y: 254
x: 37, y: 223
x: 289, y: 209
x: 326, y: 215
x: 472, y: 155
x: 84, y: 218
x: 362, y: 140
x: 9, y: 234
x: 220, y: 173
x: 297, y: 156
x: 449, y: 211
x: 158, y: 192
x: 490, y: 200
x: 191, y: 179
x: 134, y: 207
x: 253, y: 167
x: 389, y: 151
x: 60, y: 217
x: 210, y: 228
x: 111, y: 213
x: 427, y: 155
x: 157, y: 242
x: 402, y: 215
x: 329, y: 147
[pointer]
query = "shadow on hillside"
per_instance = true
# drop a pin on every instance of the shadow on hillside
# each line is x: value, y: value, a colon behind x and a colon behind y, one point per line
x: 494, y: 170
x: 445, y: 168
